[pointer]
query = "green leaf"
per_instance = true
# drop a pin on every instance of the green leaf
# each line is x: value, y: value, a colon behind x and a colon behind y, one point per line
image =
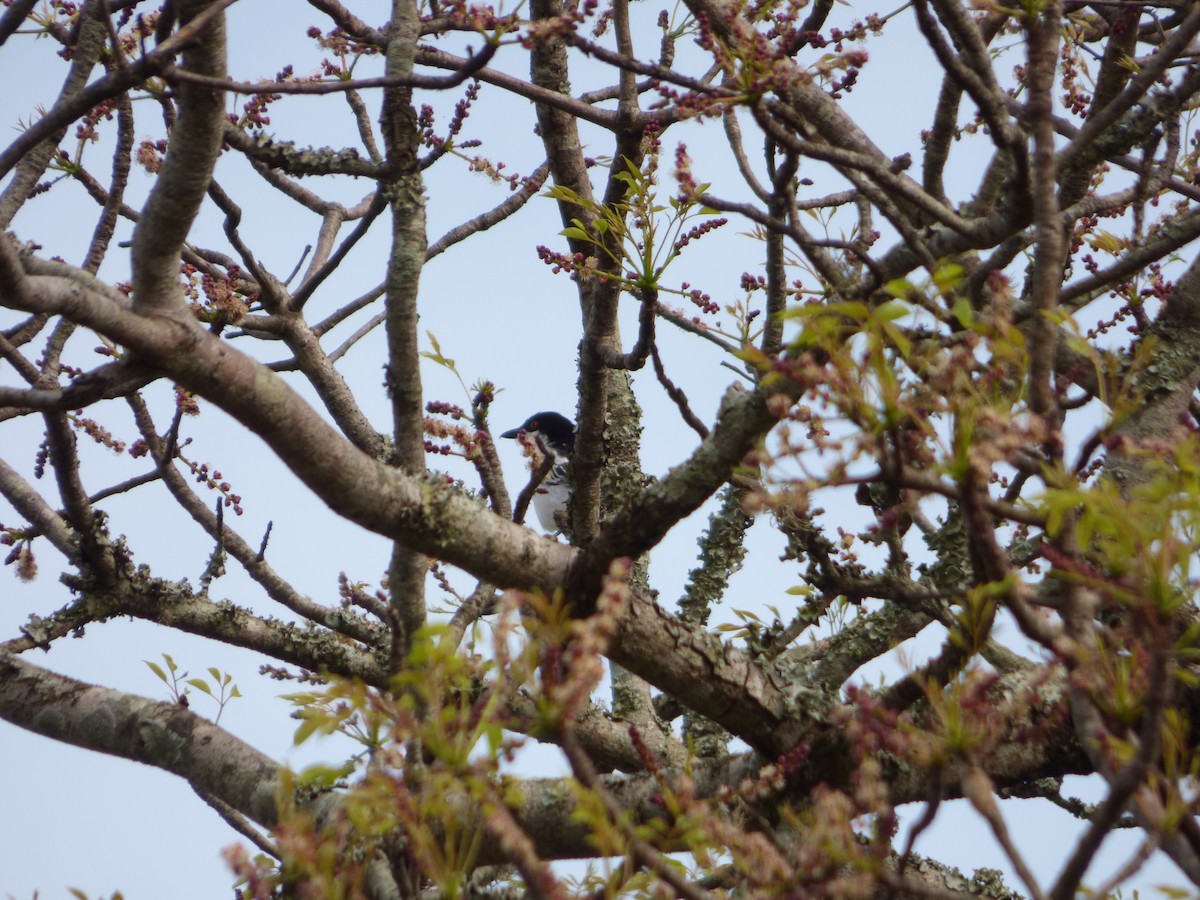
x: 1187, y: 677
x: 558, y: 192
x: 948, y: 277
x: 436, y: 356
x: 575, y: 232
x: 892, y: 310
x: 1190, y: 637
x: 323, y: 776
x: 962, y: 311
x: 899, y: 339
x: 200, y: 684
x: 301, y: 698
x: 1107, y: 242
x: 852, y: 309
x: 308, y: 727
x: 157, y: 670
x: 1173, y: 892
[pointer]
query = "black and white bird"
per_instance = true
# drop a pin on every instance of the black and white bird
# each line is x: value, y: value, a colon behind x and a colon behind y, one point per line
x: 554, y: 434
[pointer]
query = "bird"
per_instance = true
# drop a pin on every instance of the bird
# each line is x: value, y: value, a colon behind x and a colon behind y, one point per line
x: 554, y: 434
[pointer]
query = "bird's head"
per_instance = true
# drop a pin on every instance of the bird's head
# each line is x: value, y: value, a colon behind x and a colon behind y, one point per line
x: 553, y: 429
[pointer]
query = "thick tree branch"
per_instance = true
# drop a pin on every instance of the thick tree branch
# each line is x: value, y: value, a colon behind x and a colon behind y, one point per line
x: 406, y: 573
x: 187, y: 169
x: 158, y: 734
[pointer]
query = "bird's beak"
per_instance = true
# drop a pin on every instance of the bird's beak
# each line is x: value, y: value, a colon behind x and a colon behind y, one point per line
x: 512, y: 433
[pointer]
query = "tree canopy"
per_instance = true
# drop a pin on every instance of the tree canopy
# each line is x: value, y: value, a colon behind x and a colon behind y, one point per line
x: 920, y: 368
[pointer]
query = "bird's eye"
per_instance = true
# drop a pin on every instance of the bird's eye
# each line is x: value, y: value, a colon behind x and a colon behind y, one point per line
x: 533, y: 425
